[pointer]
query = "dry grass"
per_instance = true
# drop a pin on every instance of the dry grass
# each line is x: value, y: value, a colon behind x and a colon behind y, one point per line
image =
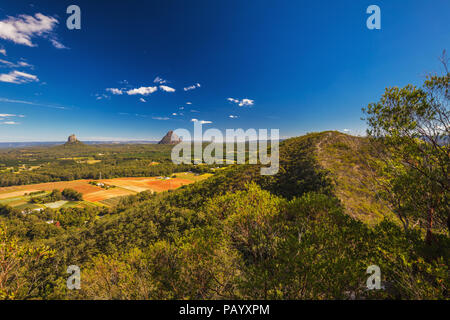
x: 347, y: 158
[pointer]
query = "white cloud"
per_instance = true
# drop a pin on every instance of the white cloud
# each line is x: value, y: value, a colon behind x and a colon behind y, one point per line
x: 3, y: 51
x: 188, y: 102
x: 102, y: 96
x: 18, y: 77
x: 10, y: 122
x: 142, y: 100
x: 145, y: 91
x: 5, y: 115
x: 246, y: 102
x: 23, y: 28
x: 160, y: 118
x: 233, y: 117
x: 33, y: 104
x: 15, y: 65
x: 159, y: 80
x: 243, y: 102
x: 201, y: 121
x: 194, y: 86
x: 167, y: 89
x: 346, y: 130
x: 181, y: 108
x: 134, y: 114
x: 115, y: 91
x: 7, y: 63
x: 57, y: 44
x: 174, y: 114
x: 24, y: 64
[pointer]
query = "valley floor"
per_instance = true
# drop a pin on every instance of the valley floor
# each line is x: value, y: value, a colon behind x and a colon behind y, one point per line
x: 105, y: 192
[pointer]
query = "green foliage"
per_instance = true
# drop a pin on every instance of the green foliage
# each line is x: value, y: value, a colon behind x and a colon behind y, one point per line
x: 236, y: 235
x: 412, y: 125
x: 255, y: 245
x: 24, y: 272
x: 72, y: 195
x: 66, y: 163
x: 54, y: 196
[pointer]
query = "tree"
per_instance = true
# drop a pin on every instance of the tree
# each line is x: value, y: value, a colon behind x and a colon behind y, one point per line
x: 71, y: 194
x: 21, y: 272
x: 413, y: 127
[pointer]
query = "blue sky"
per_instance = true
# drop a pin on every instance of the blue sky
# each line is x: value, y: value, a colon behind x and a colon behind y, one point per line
x: 297, y: 66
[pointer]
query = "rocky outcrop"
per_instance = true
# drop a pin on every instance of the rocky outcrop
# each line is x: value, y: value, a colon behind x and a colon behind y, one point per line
x: 170, y: 138
x: 72, y: 139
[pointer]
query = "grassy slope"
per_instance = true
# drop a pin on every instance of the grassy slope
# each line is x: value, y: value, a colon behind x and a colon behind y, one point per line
x: 346, y: 157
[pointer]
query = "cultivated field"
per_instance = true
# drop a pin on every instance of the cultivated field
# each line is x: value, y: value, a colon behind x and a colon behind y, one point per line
x: 19, y: 195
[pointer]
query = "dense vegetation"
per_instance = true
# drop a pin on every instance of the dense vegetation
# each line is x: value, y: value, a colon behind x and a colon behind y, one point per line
x: 80, y: 161
x: 240, y: 235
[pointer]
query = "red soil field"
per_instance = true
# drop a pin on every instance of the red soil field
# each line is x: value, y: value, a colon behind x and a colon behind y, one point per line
x: 164, y: 185
x: 124, y: 186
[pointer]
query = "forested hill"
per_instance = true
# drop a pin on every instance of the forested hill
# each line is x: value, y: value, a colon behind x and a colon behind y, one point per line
x: 349, y: 162
x: 240, y: 235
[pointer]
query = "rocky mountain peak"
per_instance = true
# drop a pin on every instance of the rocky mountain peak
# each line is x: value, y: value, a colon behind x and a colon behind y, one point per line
x: 170, y: 138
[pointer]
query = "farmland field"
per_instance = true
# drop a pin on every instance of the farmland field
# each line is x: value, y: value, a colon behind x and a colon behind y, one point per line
x: 19, y: 196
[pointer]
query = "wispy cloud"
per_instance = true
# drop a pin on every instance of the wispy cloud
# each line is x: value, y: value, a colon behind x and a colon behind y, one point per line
x: 159, y: 80
x: 243, y: 102
x: 194, y: 86
x: 3, y: 51
x: 33, y: 104
x: 133, y: 114
x: 101, y: 96
x: 142, y: 100
x: 24, y: 64
x: 188, y: 102
x: 167, y: 89
x: 57, y: 44
x: 23, y: 28
x: 10, y: 122
x: 7, y: 63
x: 161, y: 118
x: 18, y: 77
x: 145, y: 91
x: 115, y: 91
x: 232, y: 117
x: 19, y: 64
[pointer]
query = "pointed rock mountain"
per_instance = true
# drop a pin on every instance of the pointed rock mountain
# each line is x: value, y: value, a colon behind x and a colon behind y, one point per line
x: 170, y: 138
x: 72, y: 140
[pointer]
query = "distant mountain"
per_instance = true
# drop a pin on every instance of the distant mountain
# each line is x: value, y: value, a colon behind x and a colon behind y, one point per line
x: 5, y: 145
x: 72, y: 140
x: 170, y: 138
